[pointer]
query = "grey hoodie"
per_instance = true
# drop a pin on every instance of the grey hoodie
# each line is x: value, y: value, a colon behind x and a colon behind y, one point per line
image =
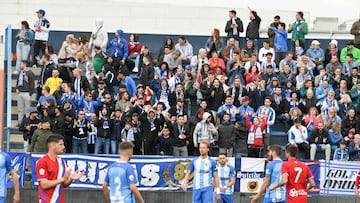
x: 205, y: 131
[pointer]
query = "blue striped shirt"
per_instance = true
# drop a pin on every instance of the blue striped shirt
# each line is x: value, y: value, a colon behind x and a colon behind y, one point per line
x: 269, y: 114
x: 273, y: 171
x: 204, y: 170
x: 5, y: 168
x: 226, y: 173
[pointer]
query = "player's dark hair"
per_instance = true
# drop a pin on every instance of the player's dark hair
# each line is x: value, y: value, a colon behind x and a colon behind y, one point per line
x: 54, y: 138
x: 291, y: 149
x: 222, y: 154
x: 126, y: 145
x: 276, y: 148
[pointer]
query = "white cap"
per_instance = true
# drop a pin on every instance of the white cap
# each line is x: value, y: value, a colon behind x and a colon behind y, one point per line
x: 334, y: 41
x: 315, y: 42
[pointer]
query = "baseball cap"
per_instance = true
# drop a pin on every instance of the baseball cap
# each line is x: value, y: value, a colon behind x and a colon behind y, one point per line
x: 351, y: 42
x: 139, y: 85
x: 101, y: 82
x: 315, y: 42
x: 188, y: 67
x: 33, y: 110
x: 42, y: 11
x: 334, y: 41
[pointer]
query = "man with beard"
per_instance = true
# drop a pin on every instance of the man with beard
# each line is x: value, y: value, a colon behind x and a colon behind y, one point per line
x: 122, y: 179
x: 227, y: 178
x: 272, y: 176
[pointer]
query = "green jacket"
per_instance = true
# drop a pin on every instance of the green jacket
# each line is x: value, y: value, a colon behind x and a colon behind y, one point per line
x: 354, y: 51
x: 302, y: 33
x: 38, y: 140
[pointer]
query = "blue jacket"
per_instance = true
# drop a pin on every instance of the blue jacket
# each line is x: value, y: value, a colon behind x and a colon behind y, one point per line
x: 280, y: 40
x: 318, y: 53
x: 341, y: 155
x: 130, y: 85
x: 119, y: 46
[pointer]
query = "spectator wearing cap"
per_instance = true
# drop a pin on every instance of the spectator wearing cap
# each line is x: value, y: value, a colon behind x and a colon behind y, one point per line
x: 348, y: 65
x: 299, y: 28
x: 123, y: 78
x: 353, y: 79
x: 298, y: 135
x: 42, y: 29
x: 245, y: 109
x: 25, y: 86
x: 252, y: 30
x: 146, y: 73
x: 268, y: 62
x: 355, y: 30
x: 280, y: 43
x: 332, y: 50
x: 273, y: 84
x: 38, y: 141
x: 199, y: 60
x: 271, y: 33
x: 264, y: 51
x: 28, y: 126
x: 350, y: 49
x: 316, y: 54
x: 270, y: 74
x: 234, y: 26
x: 185, y: 49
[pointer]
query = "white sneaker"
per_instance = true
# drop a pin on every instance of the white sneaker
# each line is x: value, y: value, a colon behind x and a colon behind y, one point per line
x: 135, y: 70
x: 16, y: 72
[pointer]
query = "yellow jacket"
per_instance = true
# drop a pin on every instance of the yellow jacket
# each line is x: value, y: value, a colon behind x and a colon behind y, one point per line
x: 53, y: 83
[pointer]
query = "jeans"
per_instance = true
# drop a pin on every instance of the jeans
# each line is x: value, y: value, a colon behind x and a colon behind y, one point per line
x: 22, y: 53
x: 79, y: 145
x: 102, y: 144
x: 114, y: 145
x: 23, y: 104
x: 180, y: 151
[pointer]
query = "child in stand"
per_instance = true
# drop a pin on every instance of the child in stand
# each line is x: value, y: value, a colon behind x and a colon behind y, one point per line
x: 341, y: 153
x: 255, y: 136
x: 350, y: 137
x: 127, y: 133
x: 299, y: 50
x: 92, y: 133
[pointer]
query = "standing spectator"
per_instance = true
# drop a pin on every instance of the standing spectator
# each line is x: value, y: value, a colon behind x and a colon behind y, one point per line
x: 119, y: 48
x: 25, y: 38
x: 255, y: 137
x: 267, y: 113
x: 80, y: 137
x: 319, y: 139
x: 165, y: 142
x: 28, y: 126
x: 299, y: 29
x: 92, y: 133
x: 54, y: 82
x: 245, y: 109
x: 46, y: 72
x: 271, y: 33
x: 146, y: 72
x: 205, y: 131
x: 226, y: 136
x: 341, y: 153
x: 280, y: 42
x: 234, y: 27
x: 42, y: 30
x: 186, y: 50
x: 99, y: 36
x: 116, y: 125
x: 355, y: 30
x: 298, y: 135
x: 217, y: 96
x: 228, y: 108
x: 150, y: 128
x: 102, y: 143
x: 214, y: 43
x: 252, y: 30
x: 181, y: 136
x: 25, y: 86
x: 354, y: 148
x: 38, y: 141
x: 127, y: 81
x: 127, y: 133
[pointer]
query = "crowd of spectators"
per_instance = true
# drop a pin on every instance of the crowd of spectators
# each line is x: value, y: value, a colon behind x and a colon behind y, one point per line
x: 227, y: 94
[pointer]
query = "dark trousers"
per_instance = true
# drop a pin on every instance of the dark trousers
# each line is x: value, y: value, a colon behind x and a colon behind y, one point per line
x: 68, y: 143
x: 39, y: 46
x: 149, y: 146
x: 305, y: 148
x: 254, y: 152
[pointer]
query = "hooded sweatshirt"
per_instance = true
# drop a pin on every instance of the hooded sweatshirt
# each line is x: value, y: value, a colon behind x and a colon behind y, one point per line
x: 119, y: 46
x: 99, y: 35
x: 205, y: 131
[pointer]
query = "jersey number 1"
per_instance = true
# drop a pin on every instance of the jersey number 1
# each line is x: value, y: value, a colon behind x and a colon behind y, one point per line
x: 298, y: 171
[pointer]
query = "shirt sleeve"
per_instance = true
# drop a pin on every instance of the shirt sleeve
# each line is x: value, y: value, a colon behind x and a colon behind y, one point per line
x: 107, y: 176
x: 268, y: 170
x: 214, y: 166
x: 41, y: 170
x: 8, y: 163
x: 130, y: 175
x: 232, y: 172
x: 284, y: 169
x: 191, y: 167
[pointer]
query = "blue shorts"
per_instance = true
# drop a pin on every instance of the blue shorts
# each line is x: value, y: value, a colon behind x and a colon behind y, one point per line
x: 226, y: 198
x: 269, y: 200
x: 2, y: 199
x: 203, y: 195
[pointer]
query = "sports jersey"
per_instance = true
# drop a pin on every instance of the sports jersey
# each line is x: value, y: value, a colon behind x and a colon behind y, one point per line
x: 225, y: 174
x: 5, y: 168
x: 357, y: 181
x: 273, y: 171
x: 47, y: 169
x: 204, y: 170
x: 120, y: 176
x: 298, y: 174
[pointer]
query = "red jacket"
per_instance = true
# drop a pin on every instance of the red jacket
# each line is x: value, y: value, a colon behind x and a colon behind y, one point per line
x: 255, y: 136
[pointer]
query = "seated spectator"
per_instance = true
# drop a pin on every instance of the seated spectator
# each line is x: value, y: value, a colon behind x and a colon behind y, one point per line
x: 163, y: 71
x: 333, y: 65
x: 305, y: 61
x: 312, y: 119
x: 316, y: 54
x: 355, y: 94
x: 298, y: 135
x: 255, y: 137
x: 168, y: 44
x: 53, y: 82
x: 198, y: 61
x: 335, y: 81
x: 351, y: 82
x: 252, y: 62
x: 320, y: 77
x: 165, y: 143
x: 287, y: 89
x: 308, y: 102
x: 272, y: 85
x: 281, y: 106
x: 331, y: 118
x: 329, y: 102
x: 269, y: 75
x: 294, y: 114
x: 226, y: 136
x: 345, y: 104
x: 185, y: 49
x: 265, y: 51
x: 332, y: 50
x: 294, y: 101
x: 216, y: 62
x: 335, y: 136
x: 181, y: 136
x: 286, y: 76
x: 253, y: 74
x: 341, y: 153
x: 214, y: 43
x: 268, y: 62
x: 134, y: 48
x: 354, y: 148
x: 248, y: 52
x: 302, y: 77
x: 299, y: 50
x: 350, y: 49
x: 323, y: 90
x: 288, y: 60
x: 319, y: 139
x: 308, y: 85
x: 348, y: 65
x: 230, y: 49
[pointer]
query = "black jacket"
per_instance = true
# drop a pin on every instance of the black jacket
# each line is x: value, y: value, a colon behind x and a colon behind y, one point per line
x: 28, y: 84
x: 229, y: 30
x: 147, y: 74
x: 176, y: 132
x: 347, y: 124
x: 320, y: 135
x: 227, y: 135
x: 252, y: 30
x: 27, y: 122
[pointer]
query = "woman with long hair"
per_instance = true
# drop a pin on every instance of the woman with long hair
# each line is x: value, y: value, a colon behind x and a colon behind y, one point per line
x: 84, y: 46
x: 252, y: 74
x: 214, y: 43
x: 168, y: 43
x: 24, y: 39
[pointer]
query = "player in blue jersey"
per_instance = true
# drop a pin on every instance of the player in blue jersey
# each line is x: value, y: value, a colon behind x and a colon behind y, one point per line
x: 272, y: 177
x: 5, y: 169
x: 205, y: 171
x: 122, y: 179
x: 227, y: 178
